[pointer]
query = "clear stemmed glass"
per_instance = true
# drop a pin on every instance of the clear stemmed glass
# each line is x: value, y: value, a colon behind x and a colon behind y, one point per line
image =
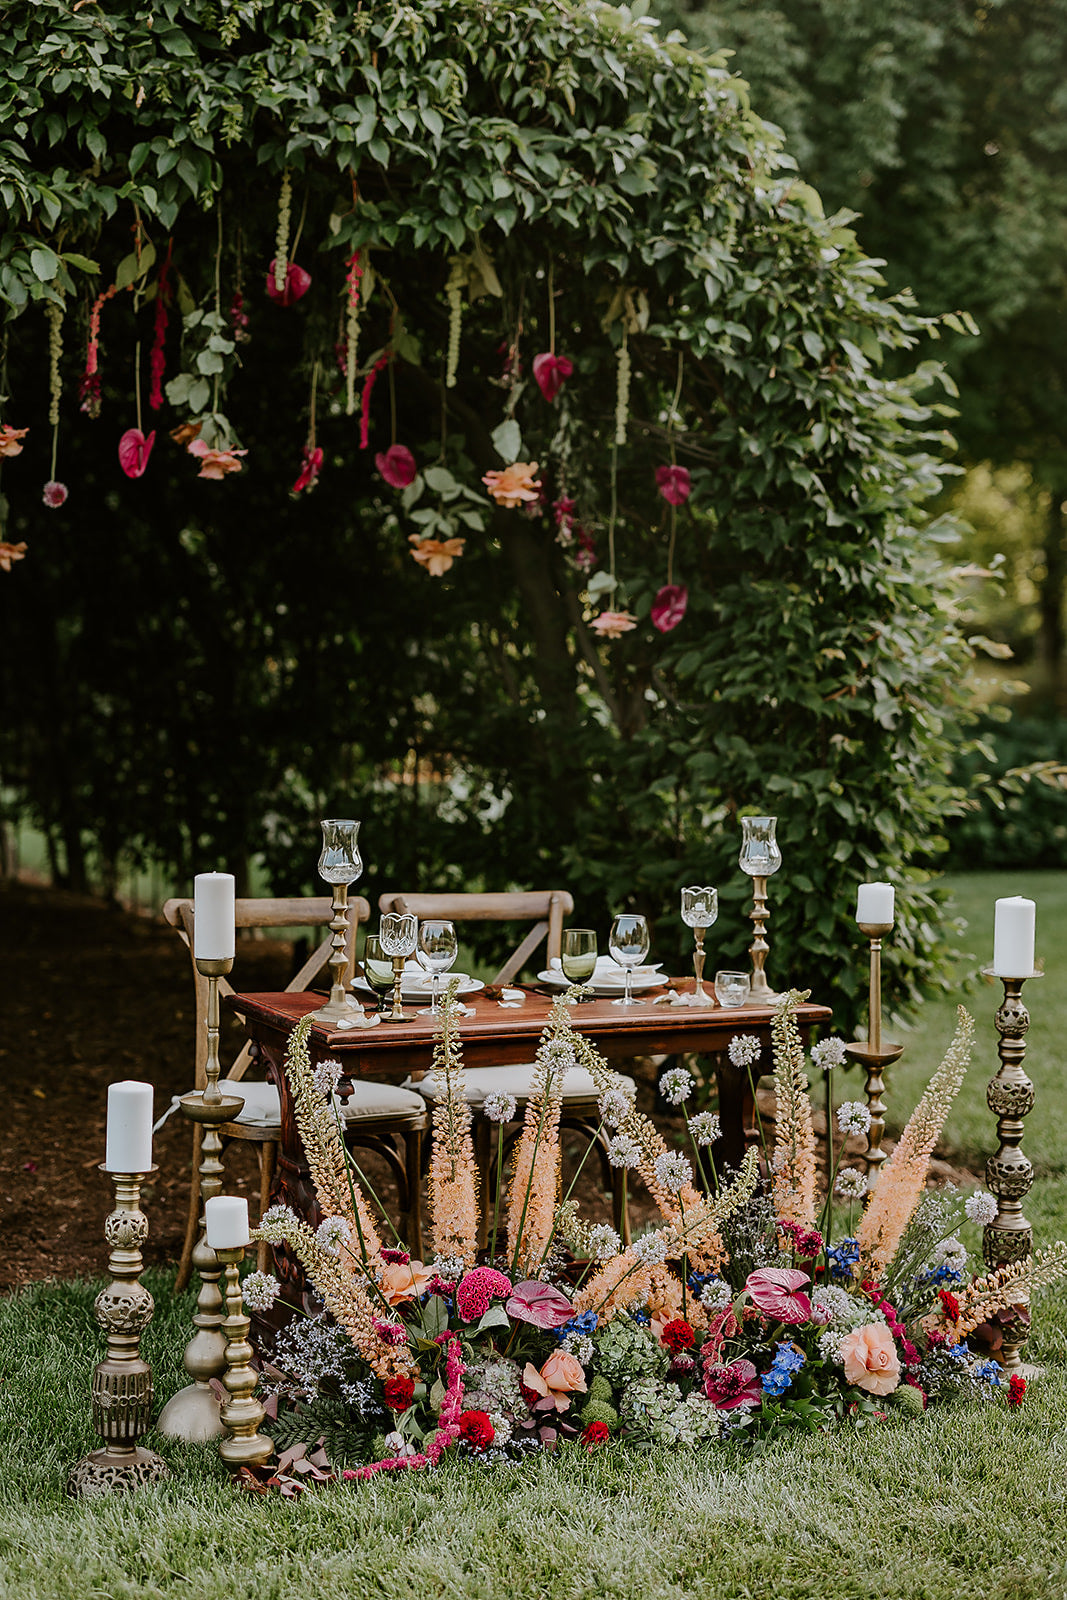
x: 628, y: 944
x: 377, y: 967
x: 398, y: 934
x: 578, y: 955
x: 700, y: 907
x: 438, y: 948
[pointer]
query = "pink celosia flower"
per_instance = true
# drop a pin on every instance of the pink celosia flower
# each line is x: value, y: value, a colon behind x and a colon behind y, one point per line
x: 674, y: 484
x: 436, y: 555
x: 776, y: 1291
x: 731, y: 1387
x: 396, y: 465
x: 668, y: 608
x: 870, y: 1359
x: 309, y: 471
x: 9, y: 440
x: 215, y: 463
x: 613, y: 624
x: 392, y: 1332
x: 134, y: 451
x: 10, y: 553
x: 514, y: 485
x: 54, y: 493
x: 297, y: 283
x: 559, y: 1378
x: 477, y: 1288
x: 550, y: 372
x: 539, y: 1304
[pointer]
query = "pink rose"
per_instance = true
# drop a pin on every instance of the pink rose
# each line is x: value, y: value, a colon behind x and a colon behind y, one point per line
x: 776, y: 1291
x: 870, y: 1359
x: 559, y: 1378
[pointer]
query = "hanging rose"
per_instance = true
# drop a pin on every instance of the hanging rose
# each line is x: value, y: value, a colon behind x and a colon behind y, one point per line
x: 674, y: 484
x: 669, y: 606
x: 309, y: 471
x: 296, y: 285
x: 514, y: 486
x: 10, y: 553
x: 396, y: 465
x: 551, y: 372
x: 436, y: 555
x: 134, y: 451
x: 9, y: 440
x: 613, y: 624
x: 215, y: 463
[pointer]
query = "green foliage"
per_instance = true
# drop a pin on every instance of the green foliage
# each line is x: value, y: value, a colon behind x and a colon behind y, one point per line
x: 1017, y: 777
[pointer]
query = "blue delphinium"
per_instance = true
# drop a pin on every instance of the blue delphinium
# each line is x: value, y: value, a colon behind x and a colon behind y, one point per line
x: 841, y: 1257
x: 988, y: 1371
x: 584, y: 1323
x: 779, y: 1376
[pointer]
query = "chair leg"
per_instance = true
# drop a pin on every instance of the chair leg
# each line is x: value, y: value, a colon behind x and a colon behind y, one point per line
x: 267, y: 1155
x: 192, y: 1220
x: 413, y: 1162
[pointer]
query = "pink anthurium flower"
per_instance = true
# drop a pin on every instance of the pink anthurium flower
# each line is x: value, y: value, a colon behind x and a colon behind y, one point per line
x: 397, y: 466
x: 134, y: 451
x: 550, y: 373
x: 776, y: 1290
x: 674, y: 484
x: 539, y: 1304
x: 669, y: 606
x: 297, y: 283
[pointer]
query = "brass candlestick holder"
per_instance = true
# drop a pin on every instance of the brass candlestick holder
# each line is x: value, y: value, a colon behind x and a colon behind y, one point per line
x: 397, y: 937
x: 398, y: 1014
x: 341, y: 1007
x: 192, y: 1414
x: 760, y: 992
x: 1010, y: 1096
x: 877, y: 1053
x: 242, y: 1413
x: 122, y: 1383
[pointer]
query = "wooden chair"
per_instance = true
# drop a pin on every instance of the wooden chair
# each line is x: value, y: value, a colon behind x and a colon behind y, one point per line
x: 546, y: 909
x: 377, y: 1114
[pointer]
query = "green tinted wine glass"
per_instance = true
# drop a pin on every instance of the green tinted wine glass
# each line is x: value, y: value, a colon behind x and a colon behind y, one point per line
x: 377, y: 967
x: 578, y: 954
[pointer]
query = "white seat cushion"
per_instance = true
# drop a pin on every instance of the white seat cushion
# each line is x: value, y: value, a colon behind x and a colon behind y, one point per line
x: 577, y: 1083
x: 262, y: 1110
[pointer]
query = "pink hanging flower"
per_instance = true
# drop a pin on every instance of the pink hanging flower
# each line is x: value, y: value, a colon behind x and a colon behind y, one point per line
x: 669, y: 606
x: 585, y: 560
x: 729, y: 1388
x: 539, y: 1304
x: 309, y: 471
x: 10, y: 553
x: 397, y: 466
x: 364, y: 403
x: 674, y: 484
x: 215, y: 463
x: 157, y: 360
x: 776, y: 1290
x: 613, y: 624
x: 54, y: 493
x: 9, y: 440
x: 134, y: 451
x: 550, y: 373
x: 297, y: 283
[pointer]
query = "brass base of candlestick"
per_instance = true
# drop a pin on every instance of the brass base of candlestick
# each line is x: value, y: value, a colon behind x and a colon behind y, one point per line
x: 242, y: 1413
x: 347, y: 1011
x: 875, y: 1062
x: 760, y: 992
x: 114, y: 1472
x: 398, y: 1014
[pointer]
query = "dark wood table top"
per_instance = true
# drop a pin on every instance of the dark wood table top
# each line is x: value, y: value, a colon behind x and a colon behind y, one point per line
x: 497, y: 1035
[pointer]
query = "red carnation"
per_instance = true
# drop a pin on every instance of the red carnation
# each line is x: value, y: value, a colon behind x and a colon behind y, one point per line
x: 1016, y: 1389
x: 596, y: 1433
x: 678, y: 1336
x: 949, y: 1305
x: 399, y: 1392
x: 475, y: 1427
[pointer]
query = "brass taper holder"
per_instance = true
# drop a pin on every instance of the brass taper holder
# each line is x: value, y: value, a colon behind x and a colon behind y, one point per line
x: 760, y: 992
x: 340, y: 1007
x: 1009, y: 1238
x: 877, y: 1053
x: 242, y: 1414
x: 398, y: 1014
x: 122, y: 1382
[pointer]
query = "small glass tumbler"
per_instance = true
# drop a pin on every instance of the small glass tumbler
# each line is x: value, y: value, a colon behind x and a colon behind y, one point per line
x: 731, y: 988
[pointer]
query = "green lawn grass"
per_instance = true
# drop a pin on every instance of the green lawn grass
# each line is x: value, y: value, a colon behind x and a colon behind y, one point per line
x: 970, y: 1498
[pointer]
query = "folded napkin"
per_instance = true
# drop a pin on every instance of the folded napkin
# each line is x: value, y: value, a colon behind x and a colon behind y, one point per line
x: 417, y: 977
x: 606, y: 968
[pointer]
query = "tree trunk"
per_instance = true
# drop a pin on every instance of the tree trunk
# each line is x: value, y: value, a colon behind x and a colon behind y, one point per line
x: 1052, y: 599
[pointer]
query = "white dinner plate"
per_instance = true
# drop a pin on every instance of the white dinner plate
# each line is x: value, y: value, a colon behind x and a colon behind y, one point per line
x: 604, y: 984
x: 419, y: 993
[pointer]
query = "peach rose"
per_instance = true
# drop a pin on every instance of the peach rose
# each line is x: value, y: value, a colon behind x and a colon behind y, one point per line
x: 870, y: 1359
x: 400, y: 1281
x: 559, y: 1378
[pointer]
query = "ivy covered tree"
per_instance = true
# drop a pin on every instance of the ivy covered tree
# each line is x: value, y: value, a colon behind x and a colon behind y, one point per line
x: 467, y: 412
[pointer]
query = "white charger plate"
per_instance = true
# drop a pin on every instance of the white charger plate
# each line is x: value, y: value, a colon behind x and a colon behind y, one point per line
x: 419, y: 993
x: 643, y: 978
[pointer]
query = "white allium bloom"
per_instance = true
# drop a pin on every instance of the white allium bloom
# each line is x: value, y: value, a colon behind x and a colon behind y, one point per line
x: 604, y: 1242
x: 705, y: 1127
x: 851, y: 1183
x: 673, y: 1170
x: 951, y: 1253
x: 830, y: 1345
x: 651, y: 1249
x: 623, y: 1151
x: 448, y: 1268
x: 501, y: 1427
x: 614, y: 1106
x: 580, y: 1346
x: 716, y: 1295
x: 828, y: 1053
x: 853, y: 1117
x: 500, y: 1107
x: 981, y: 1207
x: 557, y: 1055
x: 332, y: 1233
x: 260, y: 1290
x: 327, y: 1076
x: 277, y: 1223
x: 676, y: 1086
x: 744, y: 1050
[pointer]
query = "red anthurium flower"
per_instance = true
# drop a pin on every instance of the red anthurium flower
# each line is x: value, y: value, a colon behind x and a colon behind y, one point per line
x: 297, y: 284
x: 551, y: 372
x: 668, y: 608
x: 309, y: 471
x: 396, y: 465
x: 776, y: 1290
x: 134, y: 451
x: 674, y: 484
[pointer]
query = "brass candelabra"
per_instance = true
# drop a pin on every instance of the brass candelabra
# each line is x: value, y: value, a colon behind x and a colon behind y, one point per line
x: 760, y: 992
x: 122, y: 1382
x: 1009, y: 1238
x: 877, y: 1053
x: 242, y: 1414
x: 192, y: 1414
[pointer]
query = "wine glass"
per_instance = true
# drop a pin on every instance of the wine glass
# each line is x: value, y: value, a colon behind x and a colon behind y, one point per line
x: 397, y: 935
x: 700, y: 907
x: 377, y: 967
x: 438, y: 948
x: 578, y: 955
x: 628, y: 943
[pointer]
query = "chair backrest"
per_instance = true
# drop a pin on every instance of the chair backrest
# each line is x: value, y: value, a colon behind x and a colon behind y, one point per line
x: 315, y: 911
x: 545, y: 908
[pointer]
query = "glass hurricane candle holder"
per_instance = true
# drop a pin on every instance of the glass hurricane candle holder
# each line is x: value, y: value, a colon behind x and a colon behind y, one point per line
x: 398, y: 936
x: 759, y: 858
x: 700, y: 907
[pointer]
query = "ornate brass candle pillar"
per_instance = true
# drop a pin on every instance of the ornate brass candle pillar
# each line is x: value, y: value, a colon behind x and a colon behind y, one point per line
x: 122, y: 1383
x: 760, y: 857
x: 242, y: 1413
x: 877, y: 1053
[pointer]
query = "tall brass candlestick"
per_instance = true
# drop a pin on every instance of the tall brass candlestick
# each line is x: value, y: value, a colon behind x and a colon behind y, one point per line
x: 760, y: 992
x: 1010, y: 1096
x: 122, y: 1383
x: 877, y: 1053
x: 192, y: 1414
x: 242, y: 1413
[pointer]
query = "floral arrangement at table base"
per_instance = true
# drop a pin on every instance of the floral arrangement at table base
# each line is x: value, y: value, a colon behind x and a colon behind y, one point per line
x: 735, y: 1316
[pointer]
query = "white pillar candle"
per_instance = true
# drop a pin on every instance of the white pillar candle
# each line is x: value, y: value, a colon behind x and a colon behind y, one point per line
x: 1013, y: 937
x: 214, y: 927
x: 129, y: 1127
x: 226, y: 1216
x: 874, y: 903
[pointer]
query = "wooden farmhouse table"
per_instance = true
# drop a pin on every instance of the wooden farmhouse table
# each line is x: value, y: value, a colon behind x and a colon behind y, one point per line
x: 495, y: 1036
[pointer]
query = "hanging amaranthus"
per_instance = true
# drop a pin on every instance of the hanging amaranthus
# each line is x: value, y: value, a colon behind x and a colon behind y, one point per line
x: 54, y: 314
x: 353, y: 285
x: 457, y: 277
x: 364, y: 403
x: 281, y: 237
x: 622, y: 389
x: 157, y: 359
x: 89, y: 387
